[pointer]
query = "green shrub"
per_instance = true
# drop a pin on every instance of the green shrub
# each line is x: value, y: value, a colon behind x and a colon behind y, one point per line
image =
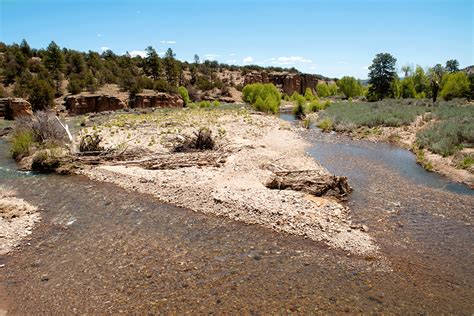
x: 455, y: 85
x: 299, y: 108
x: 75, y: 86
x: 466, y: 162
x: 20, y: 143
x: 204, y: 104
x: 322, y: 90
x: 325, y: 124
x: 263, y: 97
x: 308, y: 95
x: 314, y: 106
x: 306, y: 123
x: 183, y: 92
x: 216, y: 103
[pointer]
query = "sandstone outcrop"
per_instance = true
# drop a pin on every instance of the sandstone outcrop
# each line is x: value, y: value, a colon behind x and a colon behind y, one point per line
x: 156, y: 100
x: 11, y: 108
x: 287, y: 82
x: 82, y: 104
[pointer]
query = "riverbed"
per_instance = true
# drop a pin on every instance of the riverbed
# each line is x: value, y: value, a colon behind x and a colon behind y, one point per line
x: 102, y: 249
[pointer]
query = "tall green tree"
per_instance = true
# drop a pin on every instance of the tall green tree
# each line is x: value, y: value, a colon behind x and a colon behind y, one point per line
x: 452, y: 65
x: 54, y: 61
x: 26, y: 49
x: 41, y: 95
x: 152, y: 63
x: 172, y: 69
x: 381, y: 74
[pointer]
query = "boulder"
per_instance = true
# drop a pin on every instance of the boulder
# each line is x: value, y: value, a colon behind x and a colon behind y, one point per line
x: 285, y: 81
x: 82, y: 104
x: 11, y: 108
x: 156, y: 100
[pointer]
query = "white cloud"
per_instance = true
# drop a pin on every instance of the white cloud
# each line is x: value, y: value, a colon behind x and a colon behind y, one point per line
x: 135, y: 53
x: 289, y: 60
x: 211, y: 56
x: 99, y: 35
x: 104, y: 48
x: 248, y: 59
x: 342, y: 62
x: 168, y: 42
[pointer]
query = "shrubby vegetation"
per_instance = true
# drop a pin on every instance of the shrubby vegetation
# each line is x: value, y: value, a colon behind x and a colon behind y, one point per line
x: 454, y: 128
x: 263, y: 97
x: 346, y: 116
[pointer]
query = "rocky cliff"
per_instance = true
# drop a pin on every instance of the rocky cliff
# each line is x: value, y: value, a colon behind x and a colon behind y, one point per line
x: 82, y: 104
x: 156, y: 100
x: 287, y: 82
x: 11, y: 108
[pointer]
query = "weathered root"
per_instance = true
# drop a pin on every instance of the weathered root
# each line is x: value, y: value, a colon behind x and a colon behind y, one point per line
x: 310, y: 181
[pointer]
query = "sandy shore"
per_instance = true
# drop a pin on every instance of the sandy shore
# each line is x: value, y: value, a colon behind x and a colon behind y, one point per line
x: 17, y: 219
x: 254, y: 144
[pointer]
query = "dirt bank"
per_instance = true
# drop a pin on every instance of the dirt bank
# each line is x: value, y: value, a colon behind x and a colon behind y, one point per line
x: 17, y: 218
x: 252, y: 147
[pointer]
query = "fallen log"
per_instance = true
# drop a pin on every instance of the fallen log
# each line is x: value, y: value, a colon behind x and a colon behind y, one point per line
x: 310, y: 181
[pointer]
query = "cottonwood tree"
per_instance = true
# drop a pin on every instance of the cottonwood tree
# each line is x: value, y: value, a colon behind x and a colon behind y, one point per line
x: 406, y: 70
x: 382, y: 73
x: 349, y: 86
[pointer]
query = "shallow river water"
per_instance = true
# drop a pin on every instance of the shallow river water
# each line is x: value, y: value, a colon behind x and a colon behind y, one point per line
x: 100, y: 249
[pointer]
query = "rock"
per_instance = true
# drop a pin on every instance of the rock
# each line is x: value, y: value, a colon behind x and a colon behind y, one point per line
x: 82, y: 104
x: 11, y: 108
x: 287, y: 82
x: 44, y: 278
x: 156, y: 100
x: 364, y: 228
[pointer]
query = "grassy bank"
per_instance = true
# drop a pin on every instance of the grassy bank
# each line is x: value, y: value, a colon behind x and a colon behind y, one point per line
x: 447, y: 128
x: 348, y: 116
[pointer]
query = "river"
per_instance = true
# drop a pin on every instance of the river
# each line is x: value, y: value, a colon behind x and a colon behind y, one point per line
x: 100, y: 249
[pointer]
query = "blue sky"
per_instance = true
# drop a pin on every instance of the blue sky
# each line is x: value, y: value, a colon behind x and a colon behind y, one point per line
x: 332, y: 38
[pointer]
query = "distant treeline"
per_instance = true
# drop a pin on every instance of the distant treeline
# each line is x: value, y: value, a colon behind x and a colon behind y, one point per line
x: 37, y: 74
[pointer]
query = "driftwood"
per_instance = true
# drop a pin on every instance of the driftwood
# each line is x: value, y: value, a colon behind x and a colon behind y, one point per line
x: 310, y: 181
x: 182, y: 160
